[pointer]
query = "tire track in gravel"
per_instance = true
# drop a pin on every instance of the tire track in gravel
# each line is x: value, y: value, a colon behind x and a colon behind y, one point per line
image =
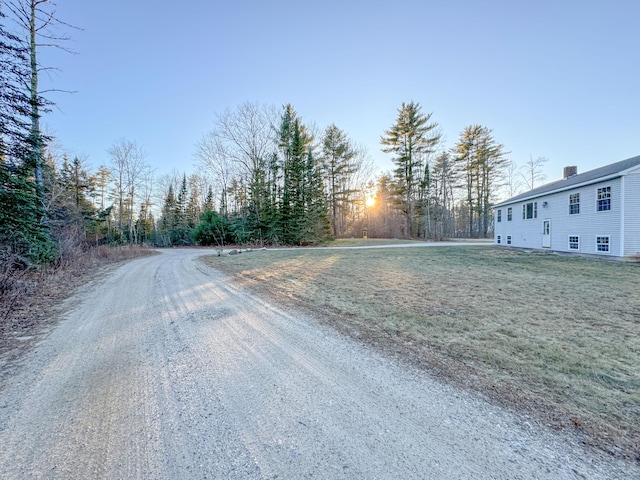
x: 168, y: 370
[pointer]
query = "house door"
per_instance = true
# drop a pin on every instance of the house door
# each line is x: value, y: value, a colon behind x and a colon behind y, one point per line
x: 546, y: 234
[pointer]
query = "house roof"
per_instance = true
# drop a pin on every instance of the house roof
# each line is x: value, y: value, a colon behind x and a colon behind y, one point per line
x: 603, y: 173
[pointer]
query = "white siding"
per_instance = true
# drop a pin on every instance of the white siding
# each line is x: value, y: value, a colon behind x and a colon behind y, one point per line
x: 588, y: 224
x: 632, y: 213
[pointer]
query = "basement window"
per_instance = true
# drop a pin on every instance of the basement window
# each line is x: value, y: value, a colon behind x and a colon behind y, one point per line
x: 602, y: 243
x: 508, y: 239
x: 498, y: 239
x: 574, y: 242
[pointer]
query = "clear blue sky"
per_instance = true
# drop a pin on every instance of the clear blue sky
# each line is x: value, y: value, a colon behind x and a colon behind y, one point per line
x: 553, y: 78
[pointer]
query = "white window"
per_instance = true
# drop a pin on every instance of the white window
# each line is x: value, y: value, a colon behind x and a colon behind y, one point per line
x: 509, y: 214
x: 574, y: 203
x: 574, y: 242
x: 498, y: 239
x: 604, y: 199
x: 530, y: 210
x: 508, y: 239
x: 602, y: 243
x: 499, y: 215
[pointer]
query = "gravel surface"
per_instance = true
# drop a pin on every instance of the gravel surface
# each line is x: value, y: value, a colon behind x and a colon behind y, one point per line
x: 166, y: 369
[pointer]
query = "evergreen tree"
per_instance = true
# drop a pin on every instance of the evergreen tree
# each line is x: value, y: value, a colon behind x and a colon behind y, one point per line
x: 410, y: 139
x: 294, y: 143
x: 22, y: 229
x: 144, y: 225
x: 38, y: 22
x: 213, y: 229
x: 168, y: 219
x: 481, y: 160
x: 337, y: 164
x: 260, y: 208
x: 443, y: 182
x: 318, y: 223
x: 72, y: 216
x: 180, y: 232
x: 208, y: 203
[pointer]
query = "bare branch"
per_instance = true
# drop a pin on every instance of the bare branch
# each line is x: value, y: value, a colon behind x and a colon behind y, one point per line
x: 532, y: 171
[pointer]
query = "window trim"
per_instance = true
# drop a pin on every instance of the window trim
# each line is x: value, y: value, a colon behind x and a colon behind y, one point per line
x: 574, y: 206
x: 603, y: 199
x: 606, y: 244
x: 509, y: 214
x: 576, y: 242
x: 508, y: 239
x: 534, y: 211
x: 499, y: 215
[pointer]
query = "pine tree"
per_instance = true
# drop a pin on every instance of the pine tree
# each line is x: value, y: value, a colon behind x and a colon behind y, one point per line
x: 410, y: 139
x: 481, y: 161
x: 337, y: 164
x: 443, y: 182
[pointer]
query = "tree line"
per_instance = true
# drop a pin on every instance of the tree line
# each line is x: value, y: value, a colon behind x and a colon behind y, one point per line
x: 264, y: 176
x: 272, y: 179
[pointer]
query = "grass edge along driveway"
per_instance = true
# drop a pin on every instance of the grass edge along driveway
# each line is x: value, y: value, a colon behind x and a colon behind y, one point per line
x: 557, y: 337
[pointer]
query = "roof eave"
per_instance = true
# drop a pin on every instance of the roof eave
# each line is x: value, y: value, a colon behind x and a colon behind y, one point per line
x: 564, y: 189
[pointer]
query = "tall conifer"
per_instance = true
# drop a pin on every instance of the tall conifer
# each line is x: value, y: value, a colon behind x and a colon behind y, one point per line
x: 410, y: 139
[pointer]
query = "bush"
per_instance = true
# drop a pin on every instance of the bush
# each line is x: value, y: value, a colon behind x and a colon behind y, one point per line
x: 213, y: 229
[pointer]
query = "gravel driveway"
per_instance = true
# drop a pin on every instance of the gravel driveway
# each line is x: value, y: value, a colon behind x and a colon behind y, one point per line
x: 167, y: 370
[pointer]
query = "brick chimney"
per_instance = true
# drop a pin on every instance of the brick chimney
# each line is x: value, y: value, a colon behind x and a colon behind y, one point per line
x: 570, y: 172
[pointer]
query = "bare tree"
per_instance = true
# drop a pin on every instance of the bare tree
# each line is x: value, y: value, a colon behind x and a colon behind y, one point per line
x: 163, y: 182
x: 129, y: 170
x: 511, y: 180
x: 247, y: 135
x: 213, y: 156
x: 532, y: 172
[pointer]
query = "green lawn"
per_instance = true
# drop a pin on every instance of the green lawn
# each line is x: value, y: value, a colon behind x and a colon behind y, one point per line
x: 555, y: 336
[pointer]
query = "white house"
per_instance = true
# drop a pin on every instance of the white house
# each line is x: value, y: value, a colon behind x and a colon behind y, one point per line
x: 597, y: 212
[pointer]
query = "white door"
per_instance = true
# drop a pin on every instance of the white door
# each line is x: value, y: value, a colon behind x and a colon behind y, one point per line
x: 546, y: 234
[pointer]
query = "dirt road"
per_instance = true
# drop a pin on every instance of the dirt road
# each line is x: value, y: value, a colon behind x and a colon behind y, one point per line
x: 167, y: 370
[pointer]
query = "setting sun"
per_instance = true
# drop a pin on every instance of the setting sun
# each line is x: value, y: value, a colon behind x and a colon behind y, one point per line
x: 370, y: 201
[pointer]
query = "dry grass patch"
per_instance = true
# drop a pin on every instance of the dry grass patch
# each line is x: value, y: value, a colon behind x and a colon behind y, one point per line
x: 555, y: 336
